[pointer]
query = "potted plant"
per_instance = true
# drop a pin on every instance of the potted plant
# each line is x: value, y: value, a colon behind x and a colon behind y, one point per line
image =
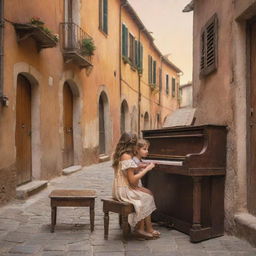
x: 88, y: 47
x: 36, y: 21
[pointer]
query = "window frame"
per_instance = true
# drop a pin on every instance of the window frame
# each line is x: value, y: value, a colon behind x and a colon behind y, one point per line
x: 103, y: 16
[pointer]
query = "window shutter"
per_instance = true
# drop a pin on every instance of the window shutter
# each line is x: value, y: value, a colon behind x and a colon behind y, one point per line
x: 100, y: 14
x: 141, y: 57
x: 173, y: 87
x: 208, y: 60
x: 150, y: 71
x: 167, y: 84
x: 136, y: 53
x: 124, y: 40
x: 154, y: 72
x: 105, y: 16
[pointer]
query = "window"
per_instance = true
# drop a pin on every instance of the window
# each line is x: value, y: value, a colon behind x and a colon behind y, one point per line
x: 173, y: 86
x: 124, y: 41
x: 208, y: 48
x: 160, y: 79
x: 132, y: 49
x: 151, y: 70
x: 103, y: 16
x: 167, y: 84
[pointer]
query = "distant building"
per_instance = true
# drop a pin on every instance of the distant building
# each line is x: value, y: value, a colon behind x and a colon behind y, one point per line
x: 186, y: 97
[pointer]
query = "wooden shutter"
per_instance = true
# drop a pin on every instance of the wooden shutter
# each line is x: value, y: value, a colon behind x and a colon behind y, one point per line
x: 208, y: 60
x: 154, y: 72
x: 100, y: 14
x: 149, y: 69
x: 124, y: 41
x: 141, y: 56
x: 136, y: 53
x: 173, y: 87
x: 105, y: 16
x: 167, y: 84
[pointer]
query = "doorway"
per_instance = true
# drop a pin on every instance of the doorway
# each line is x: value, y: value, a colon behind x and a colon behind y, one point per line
x: 23, y: 132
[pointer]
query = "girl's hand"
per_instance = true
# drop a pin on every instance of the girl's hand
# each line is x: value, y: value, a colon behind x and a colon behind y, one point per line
x: 150, y: 166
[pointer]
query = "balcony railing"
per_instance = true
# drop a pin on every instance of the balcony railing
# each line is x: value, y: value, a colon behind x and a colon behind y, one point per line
x: 72, y: 36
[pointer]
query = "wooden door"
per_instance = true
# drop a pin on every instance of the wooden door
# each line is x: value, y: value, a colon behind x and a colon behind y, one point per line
x: 252, y: 124
x: 68, y: 153
x: 102, y: 148
x: 23, y: 131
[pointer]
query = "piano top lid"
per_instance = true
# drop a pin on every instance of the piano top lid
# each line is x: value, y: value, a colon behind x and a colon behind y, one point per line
x: 185, y: 128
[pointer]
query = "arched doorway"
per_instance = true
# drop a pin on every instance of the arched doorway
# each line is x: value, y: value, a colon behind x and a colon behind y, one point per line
x: 124, y: 117
x: 146, y: 121
x: 103, y: 123
x: 68, y: 151
x: 23, y: 130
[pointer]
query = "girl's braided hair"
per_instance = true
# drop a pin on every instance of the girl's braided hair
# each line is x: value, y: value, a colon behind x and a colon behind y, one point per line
x: 126, y: 144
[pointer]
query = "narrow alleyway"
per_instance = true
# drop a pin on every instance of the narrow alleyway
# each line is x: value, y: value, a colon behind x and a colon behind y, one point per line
x: 25, y: 227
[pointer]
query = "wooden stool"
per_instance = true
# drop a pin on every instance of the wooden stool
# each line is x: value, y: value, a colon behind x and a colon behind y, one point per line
x: 124, y: 209
x: 72, y: 198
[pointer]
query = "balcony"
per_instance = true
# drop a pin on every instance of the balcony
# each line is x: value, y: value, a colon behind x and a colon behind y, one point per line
x: 42, y: 38
x: 72, y: 38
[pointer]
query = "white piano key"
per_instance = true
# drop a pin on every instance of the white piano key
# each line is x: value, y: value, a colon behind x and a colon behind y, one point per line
x: 163, y: 162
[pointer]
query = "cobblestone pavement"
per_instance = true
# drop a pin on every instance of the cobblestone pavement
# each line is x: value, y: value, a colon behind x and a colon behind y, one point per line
x: 25, y: 227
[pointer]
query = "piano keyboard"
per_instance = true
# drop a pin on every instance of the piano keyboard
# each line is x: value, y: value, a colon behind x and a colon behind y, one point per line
x: 163, y: 162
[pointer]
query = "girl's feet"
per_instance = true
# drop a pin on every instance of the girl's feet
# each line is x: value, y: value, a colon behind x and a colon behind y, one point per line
x: 156, y: 233
x: 143, y: 234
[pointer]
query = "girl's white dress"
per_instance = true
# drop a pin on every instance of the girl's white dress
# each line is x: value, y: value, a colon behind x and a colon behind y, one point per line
x: 143, y: 203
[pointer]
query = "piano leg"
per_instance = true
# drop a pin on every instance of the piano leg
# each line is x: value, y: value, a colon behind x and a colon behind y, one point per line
x: 197, y: 233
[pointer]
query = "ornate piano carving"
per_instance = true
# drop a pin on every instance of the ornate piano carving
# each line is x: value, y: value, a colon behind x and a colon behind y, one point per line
x: 188, y: 180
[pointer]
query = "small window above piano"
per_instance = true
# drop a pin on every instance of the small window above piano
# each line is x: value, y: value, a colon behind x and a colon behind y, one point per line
x: 209, y: 47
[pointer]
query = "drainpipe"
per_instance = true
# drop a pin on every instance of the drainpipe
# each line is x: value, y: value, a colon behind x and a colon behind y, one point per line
x: 3, y: 98
x: 139, y: 91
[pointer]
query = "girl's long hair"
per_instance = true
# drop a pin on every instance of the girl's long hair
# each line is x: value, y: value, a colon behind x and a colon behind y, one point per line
x: 126, y: 144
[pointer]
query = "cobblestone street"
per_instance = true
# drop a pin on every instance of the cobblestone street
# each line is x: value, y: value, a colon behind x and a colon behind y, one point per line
x: 25, y: 227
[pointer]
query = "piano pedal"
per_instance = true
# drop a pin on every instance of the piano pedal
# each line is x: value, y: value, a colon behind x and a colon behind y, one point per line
x: 166, y: 224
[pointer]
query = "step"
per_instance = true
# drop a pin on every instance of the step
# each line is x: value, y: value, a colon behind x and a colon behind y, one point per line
x: 104, y: 158
x: 31, y: 188
x: 71, y: 169
x: 246, y: 227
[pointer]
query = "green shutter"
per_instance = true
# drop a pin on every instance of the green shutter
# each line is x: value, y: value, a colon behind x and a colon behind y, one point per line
x: 136, y: 53
x: 141, y: 57
x: 100, y: 14
x: 126, y: 42
x: 123, y: 40
x: 150, y: 69
x: 154, y: 72
x: 105, y: 16
x: 173, y: 87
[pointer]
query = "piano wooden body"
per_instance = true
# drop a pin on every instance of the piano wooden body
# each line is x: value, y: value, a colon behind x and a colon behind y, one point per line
x: 188, y: 182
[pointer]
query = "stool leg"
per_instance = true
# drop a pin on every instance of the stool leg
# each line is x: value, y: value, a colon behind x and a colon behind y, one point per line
x: 120, y: 220
x: 106, y: 223
x: 92, y: 214
x: 53, y: 217
x: 125, y: 226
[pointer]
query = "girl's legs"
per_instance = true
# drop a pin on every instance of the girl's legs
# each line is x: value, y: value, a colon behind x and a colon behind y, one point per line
x: 140, y: 230
x: 149, y: 228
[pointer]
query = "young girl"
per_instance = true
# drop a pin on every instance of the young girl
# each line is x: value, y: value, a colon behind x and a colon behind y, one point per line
x: 125, y: 186
x: 141, y: 151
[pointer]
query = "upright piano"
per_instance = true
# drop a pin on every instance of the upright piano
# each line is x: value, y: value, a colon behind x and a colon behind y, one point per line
x: 188, y: 179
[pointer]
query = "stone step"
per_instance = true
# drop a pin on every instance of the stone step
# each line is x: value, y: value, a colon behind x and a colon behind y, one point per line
x: 31, y: 188
x: 103, y: 158
x: 71, y: 169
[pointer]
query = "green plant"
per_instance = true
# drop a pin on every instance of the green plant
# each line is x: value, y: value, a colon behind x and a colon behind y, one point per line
x: 40, y: 24
x: 88, y: 47
x: 36, y: 21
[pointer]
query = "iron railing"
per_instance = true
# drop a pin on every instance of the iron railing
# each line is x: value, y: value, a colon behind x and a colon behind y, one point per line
x: 71, y: 38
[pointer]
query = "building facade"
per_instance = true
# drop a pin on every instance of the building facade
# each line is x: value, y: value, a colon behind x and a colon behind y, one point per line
x: 224, y: 93
x: 67, y: 88
x: 186, y: 95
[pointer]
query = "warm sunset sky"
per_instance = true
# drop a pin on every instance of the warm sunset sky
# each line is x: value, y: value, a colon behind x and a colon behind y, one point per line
x: 172, y: 30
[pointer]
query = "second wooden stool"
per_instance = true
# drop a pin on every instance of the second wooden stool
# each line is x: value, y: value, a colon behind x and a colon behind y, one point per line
x: 122, y: 208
